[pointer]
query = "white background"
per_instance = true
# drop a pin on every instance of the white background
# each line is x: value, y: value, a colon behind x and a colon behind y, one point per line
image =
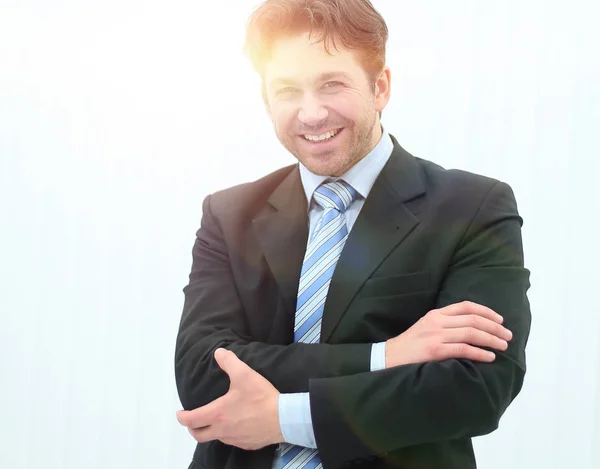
x: 118, y: 117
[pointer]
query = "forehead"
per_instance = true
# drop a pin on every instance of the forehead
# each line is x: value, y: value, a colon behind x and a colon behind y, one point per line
x: 298, y: 58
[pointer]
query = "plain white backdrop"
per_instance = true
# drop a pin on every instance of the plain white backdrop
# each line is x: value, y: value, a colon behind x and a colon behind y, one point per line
x: 118, y: 117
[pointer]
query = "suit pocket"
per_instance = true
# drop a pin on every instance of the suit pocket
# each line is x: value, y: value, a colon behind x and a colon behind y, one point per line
x: 396, y: 285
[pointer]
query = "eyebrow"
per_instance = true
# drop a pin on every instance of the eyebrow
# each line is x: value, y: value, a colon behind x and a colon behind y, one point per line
x: 323, y: 77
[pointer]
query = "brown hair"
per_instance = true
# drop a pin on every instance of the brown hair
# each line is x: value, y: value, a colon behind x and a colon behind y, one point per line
x: 355, y: 22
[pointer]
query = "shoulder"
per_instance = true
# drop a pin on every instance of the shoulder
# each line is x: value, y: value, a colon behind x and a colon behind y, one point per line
x: 459, y: 187
x: 412, y: 174
x: 247, y: 198
x: 458, y: 181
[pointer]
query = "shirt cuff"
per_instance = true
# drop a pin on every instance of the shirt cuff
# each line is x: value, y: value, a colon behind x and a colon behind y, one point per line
x: 295, y: 419
x: 378, y: 356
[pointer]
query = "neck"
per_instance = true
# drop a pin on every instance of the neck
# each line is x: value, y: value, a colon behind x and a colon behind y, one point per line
x: 376, y: 134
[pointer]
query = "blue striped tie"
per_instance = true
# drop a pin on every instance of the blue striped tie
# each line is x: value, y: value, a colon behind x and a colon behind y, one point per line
x: 320, y: 259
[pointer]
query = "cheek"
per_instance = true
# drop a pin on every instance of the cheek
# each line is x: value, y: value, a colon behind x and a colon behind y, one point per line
x: 348, y: 105
x: 283, y: 117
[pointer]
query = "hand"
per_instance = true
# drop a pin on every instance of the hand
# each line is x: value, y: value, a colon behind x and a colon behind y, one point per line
x: 450, y: 332
x: 246, y: 417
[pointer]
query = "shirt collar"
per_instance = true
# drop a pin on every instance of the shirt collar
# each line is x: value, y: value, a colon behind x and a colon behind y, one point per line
x: 361, y: 176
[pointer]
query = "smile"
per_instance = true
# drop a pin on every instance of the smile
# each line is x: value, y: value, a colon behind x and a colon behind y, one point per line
x: 323, y: 137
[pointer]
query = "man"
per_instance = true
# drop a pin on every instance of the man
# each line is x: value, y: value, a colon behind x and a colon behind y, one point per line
x: 362, y: 308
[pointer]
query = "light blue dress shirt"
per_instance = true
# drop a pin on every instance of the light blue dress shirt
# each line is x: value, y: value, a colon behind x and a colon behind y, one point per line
x: 294, y: 409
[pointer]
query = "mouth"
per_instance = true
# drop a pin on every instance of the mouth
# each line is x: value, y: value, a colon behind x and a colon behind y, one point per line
x: 320, y: 140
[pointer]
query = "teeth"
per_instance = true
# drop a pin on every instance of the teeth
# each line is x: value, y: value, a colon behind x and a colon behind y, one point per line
x: 320, y: 138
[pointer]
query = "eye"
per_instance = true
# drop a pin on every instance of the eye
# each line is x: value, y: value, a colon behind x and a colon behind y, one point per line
x: 286, y: 90
x: 332, y: 84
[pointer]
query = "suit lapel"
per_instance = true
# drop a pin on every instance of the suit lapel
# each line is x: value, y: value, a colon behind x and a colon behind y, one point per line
x: 282, y: 232
x: 383, y: 222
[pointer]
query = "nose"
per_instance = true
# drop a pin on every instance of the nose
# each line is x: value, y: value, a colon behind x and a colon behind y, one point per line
x: 311, y: 111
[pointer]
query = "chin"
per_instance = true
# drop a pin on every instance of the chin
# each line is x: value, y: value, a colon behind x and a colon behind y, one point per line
x: 323, y: 165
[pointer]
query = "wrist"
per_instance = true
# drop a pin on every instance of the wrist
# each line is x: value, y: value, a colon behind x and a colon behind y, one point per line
x: 277, y: 433
x: 387, y: 342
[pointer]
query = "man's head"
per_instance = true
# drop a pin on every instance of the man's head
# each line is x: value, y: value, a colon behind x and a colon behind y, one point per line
x: 322, y: 64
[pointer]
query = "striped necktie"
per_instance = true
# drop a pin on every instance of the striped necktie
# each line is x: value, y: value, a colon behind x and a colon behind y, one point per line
x: 321, y: 256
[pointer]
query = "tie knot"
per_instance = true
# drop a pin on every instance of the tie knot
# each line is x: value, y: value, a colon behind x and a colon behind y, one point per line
x: 337, y: 194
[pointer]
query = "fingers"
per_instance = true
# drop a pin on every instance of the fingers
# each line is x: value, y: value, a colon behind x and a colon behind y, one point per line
x: 468, y: 326
x: 468, y: 307
x: 475, y: 322
x: 200, y: 417
x: 202, y: 435
x: 471, y: 336
x: 226, y: 359
x: 466, y: 351
x: 229, y: 362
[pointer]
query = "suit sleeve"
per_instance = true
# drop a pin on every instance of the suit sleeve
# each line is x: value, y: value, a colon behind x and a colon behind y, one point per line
x: 295, y: 418
x: 213, y: 317
x: 370, y: 414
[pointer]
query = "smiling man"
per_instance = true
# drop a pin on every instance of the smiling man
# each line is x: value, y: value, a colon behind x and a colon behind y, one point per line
x: 324, y: 106
x: 364, y: 307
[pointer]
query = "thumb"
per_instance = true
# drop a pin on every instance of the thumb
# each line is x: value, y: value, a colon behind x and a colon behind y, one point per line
x: 226, y: 360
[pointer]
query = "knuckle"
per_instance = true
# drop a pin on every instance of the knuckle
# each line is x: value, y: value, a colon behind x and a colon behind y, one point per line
x: 423, y: 323
x: 431, y: 315
x: 434, y: 323
x: 469, y: 333
x: 434, y: 348
x: 434, y: 319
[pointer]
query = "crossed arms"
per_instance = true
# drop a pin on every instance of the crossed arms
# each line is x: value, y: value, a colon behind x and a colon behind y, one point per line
x: 442, y: 398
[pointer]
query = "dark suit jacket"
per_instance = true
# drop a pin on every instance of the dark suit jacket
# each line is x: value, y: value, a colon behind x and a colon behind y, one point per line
x: 425, y: 238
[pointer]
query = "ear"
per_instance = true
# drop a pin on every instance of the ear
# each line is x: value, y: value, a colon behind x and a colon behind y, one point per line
x: 382, y: 89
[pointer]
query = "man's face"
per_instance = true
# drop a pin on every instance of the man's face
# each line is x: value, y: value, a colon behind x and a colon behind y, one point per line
x: 324, y: 108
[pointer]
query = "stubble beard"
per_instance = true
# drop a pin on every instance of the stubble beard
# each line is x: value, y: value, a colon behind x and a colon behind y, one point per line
x: 360, y: 145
